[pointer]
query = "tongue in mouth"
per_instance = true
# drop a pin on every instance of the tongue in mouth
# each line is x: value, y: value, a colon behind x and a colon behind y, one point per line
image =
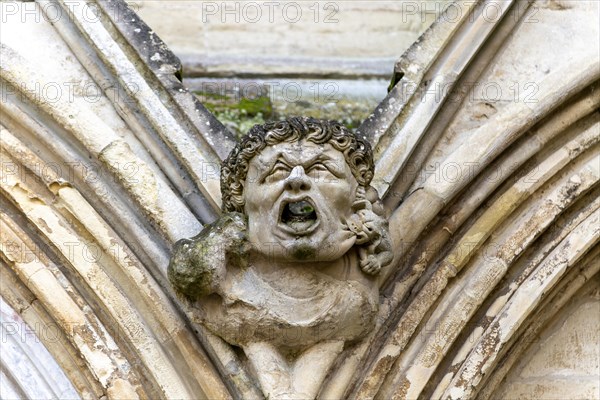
x: 299, y: 215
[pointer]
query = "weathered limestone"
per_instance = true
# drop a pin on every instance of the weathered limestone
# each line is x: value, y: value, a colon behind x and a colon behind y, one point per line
x: 29, y: 359
x: 563, y: 361
x: 492, y: 187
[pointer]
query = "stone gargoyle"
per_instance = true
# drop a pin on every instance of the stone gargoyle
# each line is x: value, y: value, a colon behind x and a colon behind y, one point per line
x: 288, y: 271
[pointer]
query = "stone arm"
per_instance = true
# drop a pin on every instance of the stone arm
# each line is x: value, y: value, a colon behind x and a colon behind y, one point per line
x: 198, y: 265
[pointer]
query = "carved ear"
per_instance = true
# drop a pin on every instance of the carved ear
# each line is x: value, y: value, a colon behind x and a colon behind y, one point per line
x: 360, y: 193
x: 376, y: 205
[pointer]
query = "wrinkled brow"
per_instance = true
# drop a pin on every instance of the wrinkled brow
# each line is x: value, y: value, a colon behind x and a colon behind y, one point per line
x: 302, y: 158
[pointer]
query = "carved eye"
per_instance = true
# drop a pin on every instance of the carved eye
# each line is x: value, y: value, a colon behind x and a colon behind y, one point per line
x: 320, y: 170
x: 318, y: 167
x: 317, y: 170
x: 279, y: 171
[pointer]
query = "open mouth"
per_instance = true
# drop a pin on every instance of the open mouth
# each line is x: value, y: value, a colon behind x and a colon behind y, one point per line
x: 299, y: 215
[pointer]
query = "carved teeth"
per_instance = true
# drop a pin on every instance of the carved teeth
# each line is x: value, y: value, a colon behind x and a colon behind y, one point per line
x: 301, y: 209
x: 299, y: 215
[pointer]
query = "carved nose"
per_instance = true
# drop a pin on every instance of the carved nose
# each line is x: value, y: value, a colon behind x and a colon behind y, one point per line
x: 297, y: 180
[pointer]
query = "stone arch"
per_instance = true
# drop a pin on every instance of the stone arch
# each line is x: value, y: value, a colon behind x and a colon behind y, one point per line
x: 493, y: 203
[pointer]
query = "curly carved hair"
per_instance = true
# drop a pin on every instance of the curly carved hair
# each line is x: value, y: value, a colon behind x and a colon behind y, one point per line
x: 357, y: 152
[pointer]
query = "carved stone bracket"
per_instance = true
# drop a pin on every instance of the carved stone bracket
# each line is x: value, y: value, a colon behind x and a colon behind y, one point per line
x: 287, y: 272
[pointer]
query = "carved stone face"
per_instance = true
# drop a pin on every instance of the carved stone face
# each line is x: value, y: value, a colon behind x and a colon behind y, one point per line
x: 298, y: 197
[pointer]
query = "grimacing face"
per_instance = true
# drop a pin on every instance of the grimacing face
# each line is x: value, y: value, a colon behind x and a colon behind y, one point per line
x: 297, y: 198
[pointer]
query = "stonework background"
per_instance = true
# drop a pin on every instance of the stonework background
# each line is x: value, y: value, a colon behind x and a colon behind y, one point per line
x: 325, y: 59
x: 564, y: 363
x: 73, y: 103
x: 366, y: 30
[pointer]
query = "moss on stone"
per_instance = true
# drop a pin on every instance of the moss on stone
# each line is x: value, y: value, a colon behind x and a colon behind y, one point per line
x: 241, y: 115
x: 238, y: 115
